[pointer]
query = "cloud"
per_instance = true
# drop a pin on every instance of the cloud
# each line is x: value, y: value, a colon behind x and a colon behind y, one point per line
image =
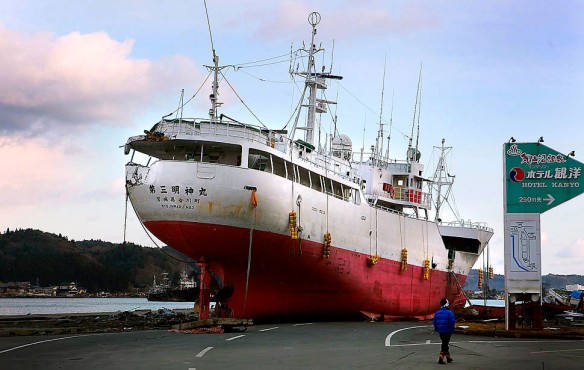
x: 363, y: 18
x: 573, y: 251
x: 66, y: 83
x: 34, y: 173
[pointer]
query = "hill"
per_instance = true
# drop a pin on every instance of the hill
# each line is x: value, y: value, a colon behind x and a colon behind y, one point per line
x: 548, y: 281
x: 49, y: 259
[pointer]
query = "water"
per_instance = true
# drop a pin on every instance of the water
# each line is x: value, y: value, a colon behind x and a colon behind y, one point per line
x: 490, y: 302
x: 25, y: 306
x: 34, y: 306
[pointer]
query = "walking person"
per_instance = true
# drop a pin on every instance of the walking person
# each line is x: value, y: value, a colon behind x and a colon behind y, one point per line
x: 444, y: 325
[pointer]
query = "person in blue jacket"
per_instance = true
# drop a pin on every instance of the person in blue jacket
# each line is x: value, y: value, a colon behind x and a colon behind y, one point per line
x: 444, y: 325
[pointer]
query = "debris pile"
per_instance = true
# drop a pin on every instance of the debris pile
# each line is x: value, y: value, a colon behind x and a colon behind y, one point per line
x: 92, y: 323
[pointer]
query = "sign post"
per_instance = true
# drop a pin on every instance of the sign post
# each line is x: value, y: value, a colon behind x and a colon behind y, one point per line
x: 537, y: 179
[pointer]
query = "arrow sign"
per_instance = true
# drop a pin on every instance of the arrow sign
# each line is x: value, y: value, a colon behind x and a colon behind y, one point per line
x: 538, y: 178
x: 550, y: 199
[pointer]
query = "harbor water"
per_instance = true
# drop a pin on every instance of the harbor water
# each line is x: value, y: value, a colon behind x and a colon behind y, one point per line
x: 490, y: 302
x: 35, y: 306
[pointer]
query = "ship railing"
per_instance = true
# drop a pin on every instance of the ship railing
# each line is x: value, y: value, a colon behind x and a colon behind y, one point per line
x: 338, y: 167
x: 469, y: 225
x: 186, y: 127
x: 406, y: 196
x: 372, y: 201
x: 395, y: 165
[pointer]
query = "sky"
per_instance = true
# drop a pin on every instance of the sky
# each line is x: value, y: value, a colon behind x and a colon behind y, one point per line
x: 77, y: 78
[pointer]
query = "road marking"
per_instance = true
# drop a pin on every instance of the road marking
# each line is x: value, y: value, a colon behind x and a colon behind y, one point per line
x: 306, y: 323
x: 561, y: 350
x: 268, y: 329
x: 232, y: 338
x: 46, y: 341
x: 388, y: 338
x: 202, y: 353
x: 509, y: 341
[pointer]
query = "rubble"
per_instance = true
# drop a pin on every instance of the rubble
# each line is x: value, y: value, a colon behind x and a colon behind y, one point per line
x: 93, y: 323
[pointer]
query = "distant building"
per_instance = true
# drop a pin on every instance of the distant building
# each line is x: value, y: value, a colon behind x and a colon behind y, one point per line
x: 69, y: 289
x: 574, y: 287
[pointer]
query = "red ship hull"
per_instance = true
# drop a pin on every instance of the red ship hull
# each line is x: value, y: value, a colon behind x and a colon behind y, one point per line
x: 290, y: 279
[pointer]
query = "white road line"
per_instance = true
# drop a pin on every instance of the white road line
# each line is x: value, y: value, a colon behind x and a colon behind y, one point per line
x: 268, y: 329
x: 388, y: 338
x: 306, y: 323
x: 232, y: 338
x: 510, y: 341
x: 561, y: 350
x: 46, y: 341
x: 202, y: 353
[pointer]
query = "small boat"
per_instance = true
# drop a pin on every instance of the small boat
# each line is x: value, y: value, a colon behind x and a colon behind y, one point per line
x: 165, y: 291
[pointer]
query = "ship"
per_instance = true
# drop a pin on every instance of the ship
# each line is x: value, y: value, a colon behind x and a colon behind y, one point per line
x: 165, y: 291
x: 293, y: 229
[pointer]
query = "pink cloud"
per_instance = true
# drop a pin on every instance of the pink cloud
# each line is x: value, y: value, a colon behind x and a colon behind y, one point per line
x: 34, y: 173
x: 355, y: 19
x: 70, y: 82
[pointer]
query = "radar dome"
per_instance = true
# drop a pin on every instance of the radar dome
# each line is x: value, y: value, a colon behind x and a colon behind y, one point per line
x: 342, y: 147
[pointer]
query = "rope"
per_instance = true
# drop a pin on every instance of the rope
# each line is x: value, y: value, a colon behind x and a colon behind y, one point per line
x: 249, y: 260
x: 191, y: 98
x: 148, y: 233
x: 241, y: 100
x: 126, y: 215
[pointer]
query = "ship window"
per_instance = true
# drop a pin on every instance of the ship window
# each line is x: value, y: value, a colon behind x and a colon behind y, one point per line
x: 347, y: 193
x: 279, y: 166
x: 316, y: 181
x: 259, y: 160
x: 337, y: 190
x: 221, y: 154
x: 356, y: 196
x: 303, y: 175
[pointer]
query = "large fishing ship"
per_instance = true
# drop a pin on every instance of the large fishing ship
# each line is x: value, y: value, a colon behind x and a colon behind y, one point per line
x: 293, y: 229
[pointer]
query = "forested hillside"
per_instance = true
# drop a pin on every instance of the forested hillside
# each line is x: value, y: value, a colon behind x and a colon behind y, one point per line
x: 548, y: 281
x: 49, y: 259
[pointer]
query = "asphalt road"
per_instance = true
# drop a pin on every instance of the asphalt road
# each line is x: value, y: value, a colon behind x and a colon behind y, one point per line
x: 346, y: 345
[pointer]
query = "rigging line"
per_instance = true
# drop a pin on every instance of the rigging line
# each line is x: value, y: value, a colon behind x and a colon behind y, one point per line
x: 419, y: 109
x: 380, y: 133
x: 263, y: 79
x: 126, y: 214
x: 241, y: 100
x: 238, y: 67
x: 241, y: 65
x: 376, y: 227
x: 153, y: 241
x: 369, y: 109
x: 192, y: 97
x: 249, y: 259
x: 209, y: 24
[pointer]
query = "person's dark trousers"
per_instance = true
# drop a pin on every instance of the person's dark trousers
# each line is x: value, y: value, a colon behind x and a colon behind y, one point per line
x: 445, y: 338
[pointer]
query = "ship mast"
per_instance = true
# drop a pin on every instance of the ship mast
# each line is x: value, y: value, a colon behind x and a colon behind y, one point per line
x: 313, y: 81
x: 442, y: 179
x: 214, y: 97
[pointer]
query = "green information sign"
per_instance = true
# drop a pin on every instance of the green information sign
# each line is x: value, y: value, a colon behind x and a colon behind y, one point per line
x: 538, y: 178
